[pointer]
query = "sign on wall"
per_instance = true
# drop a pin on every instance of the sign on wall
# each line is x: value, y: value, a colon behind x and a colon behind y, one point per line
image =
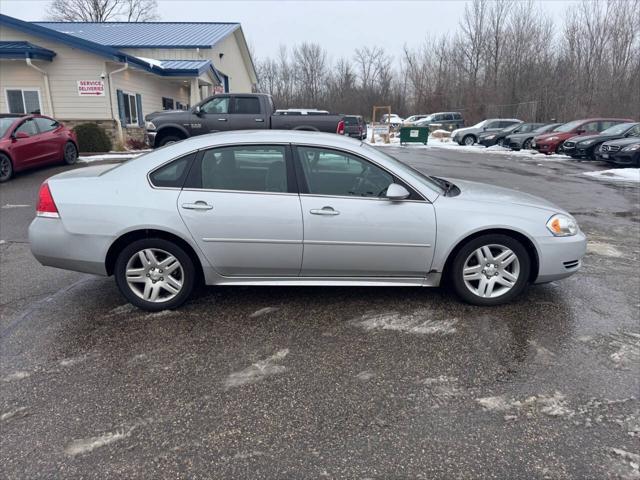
x: 91, y: 88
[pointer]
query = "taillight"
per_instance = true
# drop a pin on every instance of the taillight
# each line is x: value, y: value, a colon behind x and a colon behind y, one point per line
x: 46, y: 206
x: 340, y: 129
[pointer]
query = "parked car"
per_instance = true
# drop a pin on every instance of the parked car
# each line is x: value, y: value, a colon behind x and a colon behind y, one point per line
x: 355, y: 126
x: 585, y: 146
x: 239, y: 208
x: 552, y: 142
x: 410, y: 121
x: 442, y: 120
x: 28, y: 141
x: 499, y: 138
x: 469, y: 135
x: 393, y: 119
x: 246, y: 111
x: 522, y: 141
x: 624, y: 152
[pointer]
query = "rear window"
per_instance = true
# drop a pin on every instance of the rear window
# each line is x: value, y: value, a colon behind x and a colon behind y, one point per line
x: 351, y: 120
x: 172, y: 175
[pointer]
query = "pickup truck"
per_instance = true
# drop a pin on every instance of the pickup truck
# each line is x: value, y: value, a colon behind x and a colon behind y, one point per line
x: 246, y: 111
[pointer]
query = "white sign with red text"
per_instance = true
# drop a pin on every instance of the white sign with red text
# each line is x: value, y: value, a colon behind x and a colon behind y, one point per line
x: 91, y: 88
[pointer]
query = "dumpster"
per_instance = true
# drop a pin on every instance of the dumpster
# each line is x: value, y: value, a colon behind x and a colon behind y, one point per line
x: 414, y: 135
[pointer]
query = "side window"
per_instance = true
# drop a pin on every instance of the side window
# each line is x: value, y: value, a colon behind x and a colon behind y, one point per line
x: 635, y: 131
x: 605, y: 125
x: 591, y: 127
x: 216, y: 105
x: 331, y: 172
x: 251, y: 168
x: 28, y: 126
x: 46, y: 124
x: 448, y: 116
x: 457, y: 116
x: 246, y: 105
x: 505, y: 123
x: 173, y: 174
x: 167, y: 103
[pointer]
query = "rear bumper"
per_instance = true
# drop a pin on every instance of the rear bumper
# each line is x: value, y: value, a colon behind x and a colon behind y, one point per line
x: 560, y: 257
x: 53, y: 246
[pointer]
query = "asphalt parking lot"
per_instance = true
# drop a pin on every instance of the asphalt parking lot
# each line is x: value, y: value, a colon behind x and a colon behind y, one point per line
x: 377, y: 383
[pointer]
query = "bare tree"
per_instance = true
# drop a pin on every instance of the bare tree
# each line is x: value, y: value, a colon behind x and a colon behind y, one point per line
x: 103, y: 10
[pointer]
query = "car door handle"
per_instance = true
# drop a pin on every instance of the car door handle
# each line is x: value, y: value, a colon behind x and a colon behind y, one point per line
x: 222, y: 119
x: 324, y: 211
x: 199, y: 205
x: 260, y: 120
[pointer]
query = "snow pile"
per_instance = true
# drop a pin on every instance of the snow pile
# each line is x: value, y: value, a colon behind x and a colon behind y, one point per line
x: 120, y: 156
x: 617, y: 175
x: 151, y: 61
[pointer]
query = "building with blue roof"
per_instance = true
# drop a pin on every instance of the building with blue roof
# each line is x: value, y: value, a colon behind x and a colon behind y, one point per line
x: 115, y: 73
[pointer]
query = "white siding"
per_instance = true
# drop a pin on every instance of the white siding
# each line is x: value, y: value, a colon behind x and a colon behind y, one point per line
x: 67, y: 67
x: 232, y: 64
x: 16, y: 74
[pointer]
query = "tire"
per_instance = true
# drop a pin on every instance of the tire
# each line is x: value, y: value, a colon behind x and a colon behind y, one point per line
x: 168, y: 140
x: 151, y: 280
x: 468, y: 288
x: 501, y: 142
x: 6, y: 168
x: 526, y: 145
x: 70, y: 153
x: 468, y: 140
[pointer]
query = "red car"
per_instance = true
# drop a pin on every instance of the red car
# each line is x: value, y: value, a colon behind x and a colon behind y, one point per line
x: 552, y: 142
x: 28, y: 141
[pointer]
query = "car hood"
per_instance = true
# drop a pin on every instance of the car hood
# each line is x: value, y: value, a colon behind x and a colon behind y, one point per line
x: 623, y: 142
x: 561, y: 135
x: 482, y: 192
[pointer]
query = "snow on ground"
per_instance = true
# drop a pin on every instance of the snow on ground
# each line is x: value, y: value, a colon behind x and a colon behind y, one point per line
x: 617, y: 175
x: 111, y: 156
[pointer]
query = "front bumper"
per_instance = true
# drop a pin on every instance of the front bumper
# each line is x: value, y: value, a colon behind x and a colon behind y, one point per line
x: 150, y: 138
x: 621, y: 158
x: 487, y: 142
x: 54, y: 246
x: 560, y: 257
x: 546, y: 147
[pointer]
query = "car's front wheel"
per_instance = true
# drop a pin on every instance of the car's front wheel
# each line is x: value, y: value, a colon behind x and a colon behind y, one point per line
x: 490, y: 270
x: 168, y: 139
x: 155, y: 274
x: 468, y: 140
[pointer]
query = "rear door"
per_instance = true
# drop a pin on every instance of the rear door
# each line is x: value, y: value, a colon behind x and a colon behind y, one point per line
x: 241, y: 206
x: 51, y: 138
x: 246, y: 114
x: 350, y: 228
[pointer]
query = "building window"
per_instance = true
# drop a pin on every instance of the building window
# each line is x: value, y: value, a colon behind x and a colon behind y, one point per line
x: 167, y: 103
x: 23, y: 101
x: 130, y: 109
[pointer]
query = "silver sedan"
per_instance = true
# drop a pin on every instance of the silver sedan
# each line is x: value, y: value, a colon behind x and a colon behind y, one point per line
x: 295, y: 208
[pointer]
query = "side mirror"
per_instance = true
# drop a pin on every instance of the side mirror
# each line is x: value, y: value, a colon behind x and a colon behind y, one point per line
x: 21, y: 134
x: 397, y: 192
x: 580, y: 131
x: 197, y: 110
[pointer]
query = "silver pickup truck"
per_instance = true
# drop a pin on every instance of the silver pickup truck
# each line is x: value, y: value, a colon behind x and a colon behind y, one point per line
x: 246, y: 111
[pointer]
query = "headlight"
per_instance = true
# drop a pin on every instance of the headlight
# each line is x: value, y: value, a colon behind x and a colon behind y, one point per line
x: 553, y: 139
x: 490, y: 137
x: 586, y: 143
x: 631, y: 148
x: 149, y: 126
x: 562, y: 225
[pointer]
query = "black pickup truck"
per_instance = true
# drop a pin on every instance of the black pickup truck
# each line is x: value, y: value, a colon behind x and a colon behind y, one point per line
x: 246, y: 111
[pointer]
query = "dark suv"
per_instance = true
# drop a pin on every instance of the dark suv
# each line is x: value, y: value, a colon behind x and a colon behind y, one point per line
x: 586, y: 146
x: 443, y: 120
x: 355, y: 126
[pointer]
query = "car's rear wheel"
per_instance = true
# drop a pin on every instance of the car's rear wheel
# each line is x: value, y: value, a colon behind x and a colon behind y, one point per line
x: 70, y: 153
x: 468, y: 140
x: 490, y: 270
x: 501, y: 142
x: 526, y: 145
x: 6, y: 168
x: 155, y: 274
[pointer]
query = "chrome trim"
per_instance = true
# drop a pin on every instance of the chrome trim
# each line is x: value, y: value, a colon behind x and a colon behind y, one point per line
x: 215, y: 190
x: 252, y: 240
x: 380, y: 199
x: 365, y: 244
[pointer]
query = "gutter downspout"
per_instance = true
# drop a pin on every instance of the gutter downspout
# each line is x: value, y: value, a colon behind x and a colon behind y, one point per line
x: 47, y: 88
x: 116, y: 118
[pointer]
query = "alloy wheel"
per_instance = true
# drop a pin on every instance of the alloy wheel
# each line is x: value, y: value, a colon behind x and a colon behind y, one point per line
x: 5, y: 168
x: 154, y: 275
x: 491, y: 271
x: 70, y: 153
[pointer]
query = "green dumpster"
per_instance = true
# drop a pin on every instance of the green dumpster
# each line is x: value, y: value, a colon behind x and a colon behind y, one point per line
x: 414, y: 135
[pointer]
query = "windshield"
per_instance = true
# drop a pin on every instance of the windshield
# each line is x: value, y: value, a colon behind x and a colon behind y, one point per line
x: 567, y: 127
x: 480, y: 125
x: 433, y: 184
x: 5, y: 123
x: 617, y: 129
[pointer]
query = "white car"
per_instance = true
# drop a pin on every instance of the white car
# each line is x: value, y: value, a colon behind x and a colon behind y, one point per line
x: 393, y: 119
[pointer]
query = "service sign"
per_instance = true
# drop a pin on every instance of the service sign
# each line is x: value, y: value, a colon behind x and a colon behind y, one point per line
x: 91, y: 88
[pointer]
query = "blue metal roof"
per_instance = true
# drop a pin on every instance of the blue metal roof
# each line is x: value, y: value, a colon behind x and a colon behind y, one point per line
x: 184, y: 64
x: 147, y: 34
x: 15, y: 49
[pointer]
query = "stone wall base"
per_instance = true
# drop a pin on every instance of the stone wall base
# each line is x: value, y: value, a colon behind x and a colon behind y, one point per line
x: 110, y: 127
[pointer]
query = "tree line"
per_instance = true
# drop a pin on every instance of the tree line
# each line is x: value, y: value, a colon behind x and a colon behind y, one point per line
x: 507, y: 58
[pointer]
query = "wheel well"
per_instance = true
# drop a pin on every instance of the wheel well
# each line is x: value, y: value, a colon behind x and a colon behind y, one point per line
x: 2, y: 152
x: 306, y: 129
x: 169, y: 131
x: 129, y: 237
x: 523, y: 239
x: 470, y: 135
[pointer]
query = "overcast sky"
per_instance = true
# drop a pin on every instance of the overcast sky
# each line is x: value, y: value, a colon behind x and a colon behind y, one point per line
x: 339, y: 26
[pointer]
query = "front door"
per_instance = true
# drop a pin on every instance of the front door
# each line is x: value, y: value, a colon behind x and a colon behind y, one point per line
x: 351, y: 229
x: 29, y: 150
x: 214, y: 115
x: 241, y: 207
